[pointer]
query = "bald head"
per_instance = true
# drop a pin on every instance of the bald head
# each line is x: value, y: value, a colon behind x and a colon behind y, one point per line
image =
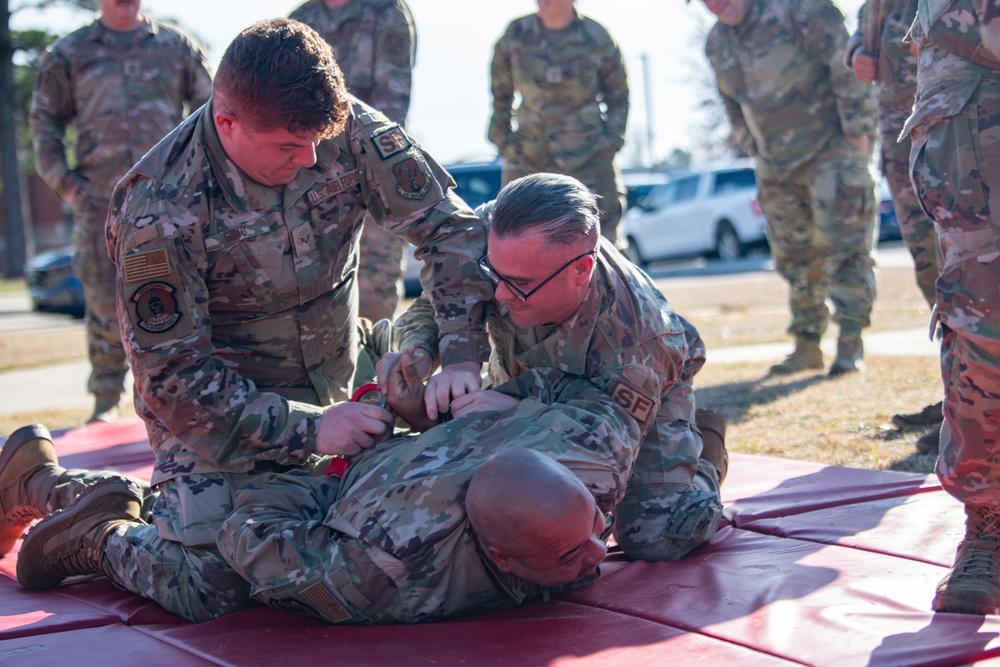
x: 537, y: 519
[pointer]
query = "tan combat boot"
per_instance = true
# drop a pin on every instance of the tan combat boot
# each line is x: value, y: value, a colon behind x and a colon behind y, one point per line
x: 27, y: 454
x: 850, y: 354
x: 807, y: 356
x: 105, y: 407
x: 713, y: 433
x: 71, y: 541
x: 973, y: 585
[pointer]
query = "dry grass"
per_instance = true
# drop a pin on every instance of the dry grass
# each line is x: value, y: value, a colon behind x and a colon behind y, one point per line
x: 11, y: 284
x: 843, y: 421
x: 747, y: 309
x: 54, y: 419
x: 57, y: 418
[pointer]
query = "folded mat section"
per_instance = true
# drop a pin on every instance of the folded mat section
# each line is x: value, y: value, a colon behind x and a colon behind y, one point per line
x: 540, y: 633
x: 806, y: 602
x: 108, y: 646
x: 759, y: 487
x: 926, y: 527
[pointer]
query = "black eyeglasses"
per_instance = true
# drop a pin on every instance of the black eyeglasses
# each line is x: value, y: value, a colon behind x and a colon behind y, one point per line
x: 492, y: 274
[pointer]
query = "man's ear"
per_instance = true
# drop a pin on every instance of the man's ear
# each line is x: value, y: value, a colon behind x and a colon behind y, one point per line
x: 501, y: 559
x: 225, y: 123
x: 583, y: 268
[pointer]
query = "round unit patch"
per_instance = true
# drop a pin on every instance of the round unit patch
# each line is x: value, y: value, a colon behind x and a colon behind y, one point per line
x: 156, y: 307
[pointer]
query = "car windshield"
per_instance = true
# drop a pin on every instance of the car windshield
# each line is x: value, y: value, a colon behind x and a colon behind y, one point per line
x: 733, y: 181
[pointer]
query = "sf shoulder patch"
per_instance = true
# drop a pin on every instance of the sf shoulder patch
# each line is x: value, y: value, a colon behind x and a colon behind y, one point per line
x: 634, y: 402
x: 390, y: 141
x: 154, y: 307
x: 413, y: 177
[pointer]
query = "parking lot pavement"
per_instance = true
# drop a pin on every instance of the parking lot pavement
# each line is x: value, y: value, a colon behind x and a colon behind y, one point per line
x: 62, y: 385
x: 46, y: 385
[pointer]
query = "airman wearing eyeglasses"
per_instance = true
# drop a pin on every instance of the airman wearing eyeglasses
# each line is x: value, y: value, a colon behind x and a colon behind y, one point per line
x: 566, y: 299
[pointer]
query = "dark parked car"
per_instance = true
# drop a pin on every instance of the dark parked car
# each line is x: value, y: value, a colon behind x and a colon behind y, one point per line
x: 476, y: 183
x: 888, y: 225
x: 52, y: 286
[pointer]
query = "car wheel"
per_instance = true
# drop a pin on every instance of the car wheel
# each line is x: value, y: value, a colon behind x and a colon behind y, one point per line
x: 634, y: 254
x: 727, y: 243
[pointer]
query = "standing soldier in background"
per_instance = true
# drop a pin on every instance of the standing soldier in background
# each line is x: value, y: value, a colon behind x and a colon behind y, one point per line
x: 876, y: 53
x: 565, y: 66
x: 955, y: 167
x: 796, y: 108
x: 122, y: 82
x: 375, y: 44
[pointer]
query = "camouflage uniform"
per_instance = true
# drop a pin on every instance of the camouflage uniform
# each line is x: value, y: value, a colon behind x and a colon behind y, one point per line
x: 563, y: 77
x: 791, y: 103
x: 955, y: 128
x: 239, y: 316
x: 895, y: 86
x: 375, y: 43
x: 391, y: 542
x: 627, y: 339
x: 121, y: 100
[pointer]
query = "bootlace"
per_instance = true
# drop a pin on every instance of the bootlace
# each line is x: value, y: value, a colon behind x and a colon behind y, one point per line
x: 984, y: 523
x: 979, y: 563
x: 72, y: 559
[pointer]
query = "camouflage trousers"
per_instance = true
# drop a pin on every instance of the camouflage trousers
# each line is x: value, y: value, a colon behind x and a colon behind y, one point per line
x: 600, y: 175
x: 277, y: 538
x: 671, y: 504
x: 96, y: 273
x: 52, y: 488
x: 380, y: 272
x: 916, y: 228
x: 173, y: 559
x: 820, y: 225
x: 955, y: 167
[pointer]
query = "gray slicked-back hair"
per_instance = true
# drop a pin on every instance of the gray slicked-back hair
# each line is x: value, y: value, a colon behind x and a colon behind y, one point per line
x: 560, y: 208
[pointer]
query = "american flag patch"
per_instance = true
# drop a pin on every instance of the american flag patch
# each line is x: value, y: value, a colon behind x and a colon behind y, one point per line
x: 321, y: 600
x: 146, y: 266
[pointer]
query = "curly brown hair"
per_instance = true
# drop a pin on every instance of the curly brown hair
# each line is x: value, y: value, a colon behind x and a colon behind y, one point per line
x: 280, y: 74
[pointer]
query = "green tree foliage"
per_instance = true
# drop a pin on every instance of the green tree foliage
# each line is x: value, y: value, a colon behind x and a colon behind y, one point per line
x: 29, y: 46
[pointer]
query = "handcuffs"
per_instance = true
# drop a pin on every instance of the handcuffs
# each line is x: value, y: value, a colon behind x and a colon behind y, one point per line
x: 370, y: 394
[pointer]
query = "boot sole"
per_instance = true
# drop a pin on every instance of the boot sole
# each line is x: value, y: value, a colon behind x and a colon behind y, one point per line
x: 29, y: 573
x: 945, y: 603
x: 17, y: 518
x: 837, y: 370
x: 778, y: 370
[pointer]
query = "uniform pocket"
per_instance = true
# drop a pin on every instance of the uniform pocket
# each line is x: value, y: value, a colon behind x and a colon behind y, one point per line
x: 249, y: 266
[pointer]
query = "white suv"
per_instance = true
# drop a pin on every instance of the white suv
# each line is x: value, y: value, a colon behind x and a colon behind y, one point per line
x: 710, y: 212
